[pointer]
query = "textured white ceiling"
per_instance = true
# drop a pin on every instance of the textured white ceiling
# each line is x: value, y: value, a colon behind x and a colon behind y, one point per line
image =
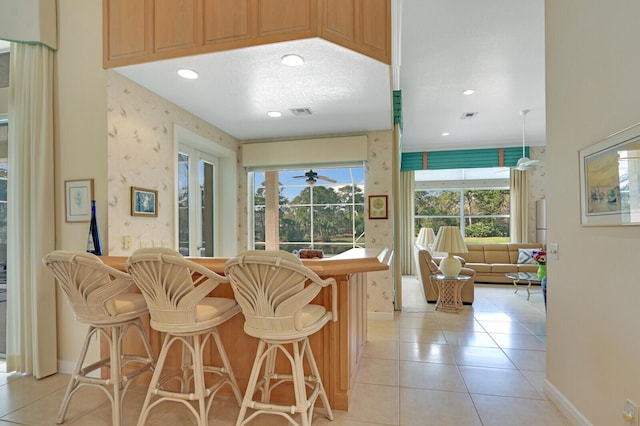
x: 346, y: 91
x: 495, y: 47
x: 446, y: 46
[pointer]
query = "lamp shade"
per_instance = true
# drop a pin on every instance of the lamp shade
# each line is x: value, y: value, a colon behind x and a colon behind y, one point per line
x: 449, y: 240
x: 426, y: 237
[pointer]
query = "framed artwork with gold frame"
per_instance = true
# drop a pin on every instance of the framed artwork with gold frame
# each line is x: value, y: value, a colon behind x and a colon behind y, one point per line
x: 378, y: 207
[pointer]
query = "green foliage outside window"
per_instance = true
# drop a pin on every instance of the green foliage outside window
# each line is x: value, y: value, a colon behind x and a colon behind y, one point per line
x: 323, y: 216
x: 482, y: 213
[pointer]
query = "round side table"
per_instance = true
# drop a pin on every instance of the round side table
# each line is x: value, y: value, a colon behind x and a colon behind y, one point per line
x: 449, y: 292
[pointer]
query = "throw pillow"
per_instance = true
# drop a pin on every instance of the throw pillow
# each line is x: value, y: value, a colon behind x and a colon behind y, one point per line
x: 526, y: 256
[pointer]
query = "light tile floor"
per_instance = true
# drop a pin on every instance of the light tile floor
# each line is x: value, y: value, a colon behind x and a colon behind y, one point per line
x: 483, y: 366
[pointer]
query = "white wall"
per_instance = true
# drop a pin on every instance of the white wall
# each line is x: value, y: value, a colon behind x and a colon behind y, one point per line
x: 81, y: 138
x: 593, y: 322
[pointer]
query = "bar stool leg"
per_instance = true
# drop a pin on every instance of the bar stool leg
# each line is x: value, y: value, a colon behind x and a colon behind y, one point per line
x: 316, y: 373
x: 227, y: 366
x: 253, y: 380
x: 299, y: 385
x: 116, y: 381
x: 73, y: 382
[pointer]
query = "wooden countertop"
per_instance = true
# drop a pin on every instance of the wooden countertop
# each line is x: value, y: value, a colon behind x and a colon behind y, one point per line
x: 351, y: 261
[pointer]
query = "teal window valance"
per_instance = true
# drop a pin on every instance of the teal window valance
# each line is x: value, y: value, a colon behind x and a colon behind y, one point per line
x: 462, y: 159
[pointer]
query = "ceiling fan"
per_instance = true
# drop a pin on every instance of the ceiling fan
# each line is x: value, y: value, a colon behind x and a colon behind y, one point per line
x: 524, y: 163
x: 312, y: 177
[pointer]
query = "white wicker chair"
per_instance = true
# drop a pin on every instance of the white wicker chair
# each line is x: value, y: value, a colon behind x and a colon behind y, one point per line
x: 175, y: 289
x: 98, y: 297
x: 274, y: 290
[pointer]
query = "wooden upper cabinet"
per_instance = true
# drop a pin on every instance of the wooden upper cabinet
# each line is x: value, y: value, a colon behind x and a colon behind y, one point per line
x: 373, y: 26
x: 360, y: 25
x: 339, y: 20
x: 296, y: 18
x: 227, y: 20
x: 177, y: 24
x: 126, y: 29
x: 137, y: 31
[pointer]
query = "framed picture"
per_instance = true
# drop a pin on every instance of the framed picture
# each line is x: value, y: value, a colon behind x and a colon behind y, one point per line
x: 144, y: 202
x: 378, y: 208
x: 610, y: 180
x: 78, y: 195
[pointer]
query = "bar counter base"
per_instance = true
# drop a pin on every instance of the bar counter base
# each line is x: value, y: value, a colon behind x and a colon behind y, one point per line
x: 337, y: 347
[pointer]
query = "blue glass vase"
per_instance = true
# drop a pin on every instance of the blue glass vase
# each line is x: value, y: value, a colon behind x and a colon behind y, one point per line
x: 93, y: 241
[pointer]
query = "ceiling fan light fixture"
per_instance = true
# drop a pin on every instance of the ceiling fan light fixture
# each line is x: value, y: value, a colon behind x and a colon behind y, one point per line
x: 292, y: 60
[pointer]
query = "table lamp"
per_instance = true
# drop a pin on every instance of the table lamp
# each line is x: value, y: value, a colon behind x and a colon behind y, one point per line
x: 449, y: 240
x: 426, y: 237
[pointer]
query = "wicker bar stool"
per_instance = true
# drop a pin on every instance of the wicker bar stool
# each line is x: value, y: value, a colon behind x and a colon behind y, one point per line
x: 176, y: 292
x: 97, y: 294
x: 274, y: 290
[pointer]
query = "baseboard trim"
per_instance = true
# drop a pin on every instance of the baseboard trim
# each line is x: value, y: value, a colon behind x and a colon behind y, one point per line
x: 66, y: 367
x: 380, y: 316
x: 564, y: 405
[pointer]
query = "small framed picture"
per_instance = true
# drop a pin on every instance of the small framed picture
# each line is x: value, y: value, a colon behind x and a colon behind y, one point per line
x: 78, y: 196
x: 144, y: 202
x: 378, y: 208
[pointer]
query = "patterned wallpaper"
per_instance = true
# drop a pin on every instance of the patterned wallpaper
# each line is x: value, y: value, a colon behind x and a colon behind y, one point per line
x: 141, y: 154
x: 379, y: 232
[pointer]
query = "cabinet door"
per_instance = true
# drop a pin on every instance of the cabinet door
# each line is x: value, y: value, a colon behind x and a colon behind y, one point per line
x: 226, y: 20
x: 126, y: 29
x: 360, y: 25
x: 178, y: 24
x: 373, y: 27
x: 295, y: 18
x: 339, y: 20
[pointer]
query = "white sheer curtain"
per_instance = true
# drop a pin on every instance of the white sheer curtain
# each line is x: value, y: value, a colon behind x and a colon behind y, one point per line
x: 519, y: 184
x: 31, y: 295
x: 407, y: 227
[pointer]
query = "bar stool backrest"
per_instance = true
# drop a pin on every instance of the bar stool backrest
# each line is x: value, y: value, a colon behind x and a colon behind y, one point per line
x: 89, y: 284
x: 171, y: 284
x: 271, y: 289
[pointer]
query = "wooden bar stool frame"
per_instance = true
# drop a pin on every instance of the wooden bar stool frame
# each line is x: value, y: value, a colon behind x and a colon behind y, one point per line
x: 176, y: 291
x: 274, y: 290
x: 97, y: 295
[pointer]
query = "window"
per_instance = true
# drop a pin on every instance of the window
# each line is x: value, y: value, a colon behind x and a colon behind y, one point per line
x: 324, y: 215
x: 480, y: 207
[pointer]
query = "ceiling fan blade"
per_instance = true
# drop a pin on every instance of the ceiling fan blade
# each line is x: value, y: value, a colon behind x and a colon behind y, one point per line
x: 328, y: 179
x: 298, y: 177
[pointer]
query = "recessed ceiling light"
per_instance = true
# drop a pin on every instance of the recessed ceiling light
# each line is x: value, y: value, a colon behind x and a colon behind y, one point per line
x: 187, y: 73
x: 469, y: 92
x: 292, y: 60
x: 445, y: 134
x: 274, y: 114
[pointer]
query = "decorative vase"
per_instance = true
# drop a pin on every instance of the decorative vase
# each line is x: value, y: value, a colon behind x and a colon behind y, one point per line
x: 542, y: 271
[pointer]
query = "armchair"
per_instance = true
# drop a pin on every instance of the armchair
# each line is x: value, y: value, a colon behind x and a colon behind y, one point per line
x: 427, y: 267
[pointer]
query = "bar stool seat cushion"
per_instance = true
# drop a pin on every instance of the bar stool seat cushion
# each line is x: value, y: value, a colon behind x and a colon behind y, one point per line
x: 213, y: 307
x: 126, y: 303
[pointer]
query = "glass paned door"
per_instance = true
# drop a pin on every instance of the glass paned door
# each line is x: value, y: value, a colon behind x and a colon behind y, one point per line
x: 196, y: 203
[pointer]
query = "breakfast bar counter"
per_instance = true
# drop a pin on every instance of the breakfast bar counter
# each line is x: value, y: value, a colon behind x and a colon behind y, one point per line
x: 337, y: 347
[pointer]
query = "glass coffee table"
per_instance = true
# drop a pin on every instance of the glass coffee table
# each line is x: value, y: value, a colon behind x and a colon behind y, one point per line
x: 528, y: 277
